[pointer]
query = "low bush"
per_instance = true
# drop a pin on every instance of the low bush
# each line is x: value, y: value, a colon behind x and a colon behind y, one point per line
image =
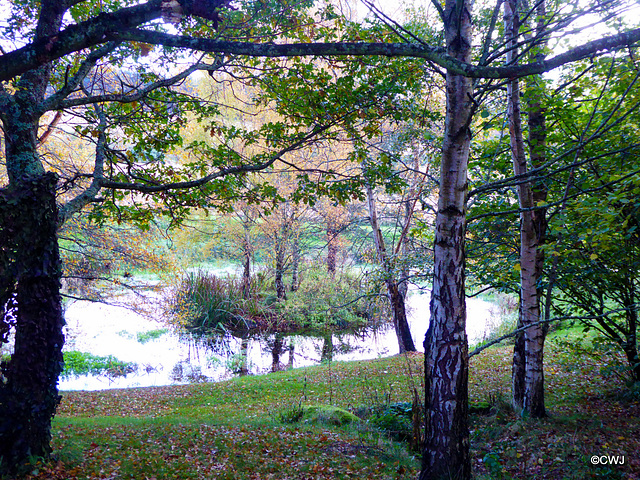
x: 395, y: 419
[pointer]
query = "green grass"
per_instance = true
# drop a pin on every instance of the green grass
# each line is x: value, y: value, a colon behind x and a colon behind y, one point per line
x: 233, y: 429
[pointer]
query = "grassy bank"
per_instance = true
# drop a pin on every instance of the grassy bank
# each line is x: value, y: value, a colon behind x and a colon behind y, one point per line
x: 234, y: 429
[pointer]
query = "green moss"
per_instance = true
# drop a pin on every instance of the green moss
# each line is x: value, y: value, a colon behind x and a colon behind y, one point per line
x: 327, y: 414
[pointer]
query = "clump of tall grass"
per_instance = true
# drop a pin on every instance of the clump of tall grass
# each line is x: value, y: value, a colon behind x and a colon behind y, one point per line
x: 208, y: 305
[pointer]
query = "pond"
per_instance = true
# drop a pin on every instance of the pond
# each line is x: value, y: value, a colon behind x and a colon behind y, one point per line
x: 164, y: 358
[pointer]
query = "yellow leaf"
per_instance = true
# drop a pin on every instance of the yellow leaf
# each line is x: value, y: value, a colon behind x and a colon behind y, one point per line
x: 516, y: 267
x: 593, y: 256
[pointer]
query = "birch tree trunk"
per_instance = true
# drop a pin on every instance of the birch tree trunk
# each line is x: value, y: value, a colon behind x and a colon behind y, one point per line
x: 528, y: 393
x: 332, y: 248
x: 446, y: 443
x: 280, y: 250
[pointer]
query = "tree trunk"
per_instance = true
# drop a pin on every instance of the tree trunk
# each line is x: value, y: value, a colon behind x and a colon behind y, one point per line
x: 446, y: 441
x: 244, y: 356
x: 404, y: 271
x: 518, y: 368
x: 281, y: 291
x: 630, y: 346
x: 292, y: 350
x: 246, y: 262
x: 29, y: 221
x: 396, y: 298
x: 295, y: 264
x: 29, y: 396
x: 529, y: 398
x: 332, y: 249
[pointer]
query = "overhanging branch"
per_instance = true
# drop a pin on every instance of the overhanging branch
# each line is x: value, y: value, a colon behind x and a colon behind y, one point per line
x: 121, y: 26
x: 430, y: 53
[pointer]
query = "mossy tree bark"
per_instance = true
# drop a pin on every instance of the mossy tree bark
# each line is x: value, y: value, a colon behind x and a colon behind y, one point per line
x: 31, y: 270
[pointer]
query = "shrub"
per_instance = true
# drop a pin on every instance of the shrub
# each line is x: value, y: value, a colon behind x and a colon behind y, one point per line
x: 394, y: 419
x: 205, y: 304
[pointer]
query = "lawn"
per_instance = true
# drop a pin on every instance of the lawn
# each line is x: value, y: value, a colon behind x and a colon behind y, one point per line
x: 242, y: 429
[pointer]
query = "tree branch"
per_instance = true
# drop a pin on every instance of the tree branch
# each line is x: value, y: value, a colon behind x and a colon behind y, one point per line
x: 120, y: 26
x: 88, y: 195
x: 150, y: 188
x: 136, y: 95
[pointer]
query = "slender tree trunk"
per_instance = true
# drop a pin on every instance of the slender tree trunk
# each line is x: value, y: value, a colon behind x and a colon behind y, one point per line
x: 528, y: 395
x: 292, y: 351
x: 396, y: 298
x: 446, y: 442
x: 332, y: 248
x: 295, y: 264
x: 404, y: 271
x: 244, y: 356
x: 518, y: 366
x: 276, y: 352
x: 281, y: 291
x: 630, y: 346
x: 246, y: 257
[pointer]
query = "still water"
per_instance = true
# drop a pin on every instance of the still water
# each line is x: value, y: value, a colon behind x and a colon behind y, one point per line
x: 103, y: 330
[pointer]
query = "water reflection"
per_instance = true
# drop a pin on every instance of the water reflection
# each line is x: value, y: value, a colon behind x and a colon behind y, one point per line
x: 171, y: 359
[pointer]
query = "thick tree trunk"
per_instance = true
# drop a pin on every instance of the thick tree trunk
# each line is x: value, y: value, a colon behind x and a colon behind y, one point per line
x: 29, y: 396
x: 528, y: 393
x: 29, y: 221
x: 446, y: 441
x: 396, y: 298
